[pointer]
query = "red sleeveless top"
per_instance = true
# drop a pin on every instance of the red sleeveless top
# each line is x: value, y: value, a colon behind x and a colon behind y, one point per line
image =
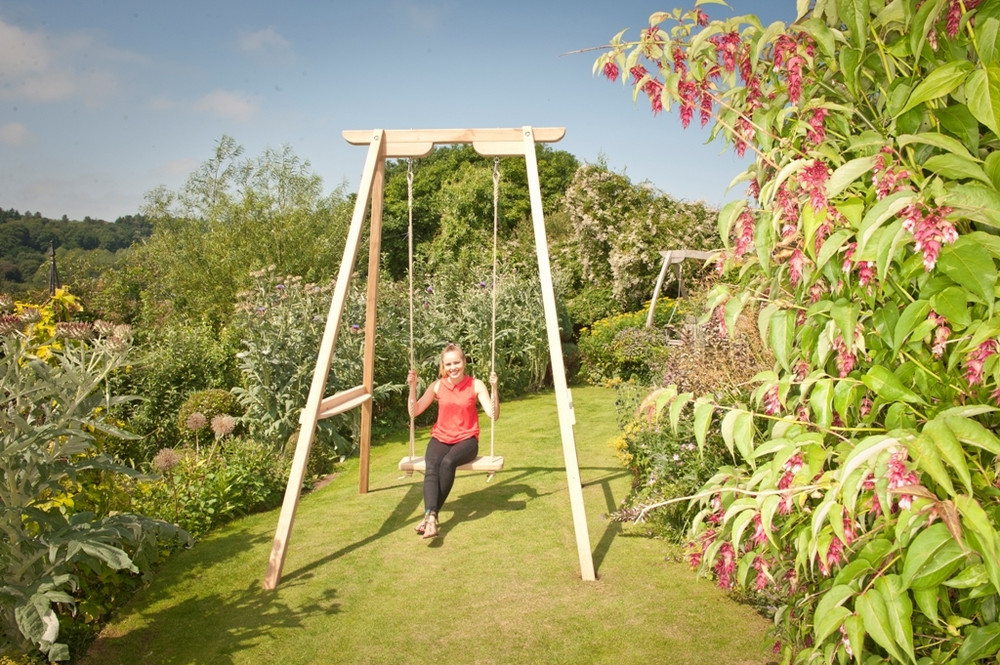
x: 458, y: 418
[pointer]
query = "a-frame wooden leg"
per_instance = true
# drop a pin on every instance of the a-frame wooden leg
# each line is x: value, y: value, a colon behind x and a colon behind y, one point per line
x: 563, y: 400
x: 310, y: 414
x: 374, y: 255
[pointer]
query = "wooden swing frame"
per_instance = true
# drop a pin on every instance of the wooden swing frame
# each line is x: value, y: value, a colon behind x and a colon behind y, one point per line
x: 393, y: 144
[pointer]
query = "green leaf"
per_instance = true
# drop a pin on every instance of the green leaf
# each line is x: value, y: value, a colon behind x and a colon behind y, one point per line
x: 830, y: 613
x: 914, y: 314
x: 821, y: 402
x: 854, y: 14
x: 899, y: 610
x: 976, y: 201
x: 970, y: 578
x: 874, y: 613
x: 737, y: 431
x: 703, y: 410
x: 832, y: 245
x: 845, y: 315
x: 848, y: 173
x: 992, y: 166
x: 927, y: 600
x: 780, y: 338
x: 949, y: 450
x: 881, y: 212
x: 982, y: 92
x: 969, y: 265
x: 936, y: 139
x: 940, y: 82
x: 951, y: 303
x: 960, y: 123
x: 979, y: 642
x: 924, y: 452
x: 676, y: 407
x: 931, y: 557
x: 957, y: 168
x: 972, y: 433
x: 923, y: 24
x: 884, y: 383
x: 728, y: 215
x: 976, y: 521
x: 988, y: 32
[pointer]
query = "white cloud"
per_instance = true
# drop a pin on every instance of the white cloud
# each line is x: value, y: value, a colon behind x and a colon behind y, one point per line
x: 14, y: 133
x: 227, y: 104
x: 176, y: 167
x: 41, y: 67
x: 266, y: 40
x: 419, y: 15
x: 21, y: 52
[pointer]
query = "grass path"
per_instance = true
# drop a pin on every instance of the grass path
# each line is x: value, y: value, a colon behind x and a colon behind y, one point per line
x: 500, y: 585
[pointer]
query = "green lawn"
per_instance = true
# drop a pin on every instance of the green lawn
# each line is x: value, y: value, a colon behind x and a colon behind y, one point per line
x: 500, y: 585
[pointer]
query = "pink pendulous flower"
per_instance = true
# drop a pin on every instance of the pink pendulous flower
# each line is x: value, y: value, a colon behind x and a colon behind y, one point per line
x: 794, y: 72
x: 679, y: 57
x: 885, y: 176
x: 975, y: 360
x: 866, y: 273
x: 845, y: 359
x: 725, y: 565
x: 705, y: 111
x: 611, y: 71
x: 744, y: 233
x: 813, y: 179
x: 772, y: 402
x: 832, y: 558
x: 817, y: 126
x: 954, y: 18
x: 941, y: 334
x: 865, y: 406
x: 761, y: 566
x: 787, y: 204
x: 900, y: 476
x: 930, y: 231
x: 801, y: 370
x: 796, y: 263
x: 759, y: 535
x: 701, y: 18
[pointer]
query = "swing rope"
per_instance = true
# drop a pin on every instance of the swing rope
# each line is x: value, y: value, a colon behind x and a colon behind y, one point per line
x: 409, y: 271
x: 493, y: 321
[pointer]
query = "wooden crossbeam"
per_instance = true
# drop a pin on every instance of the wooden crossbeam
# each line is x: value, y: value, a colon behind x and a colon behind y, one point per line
x: 343, y: 401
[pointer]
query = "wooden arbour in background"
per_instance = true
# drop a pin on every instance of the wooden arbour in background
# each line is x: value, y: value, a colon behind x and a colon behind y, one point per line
x: 393, y: 144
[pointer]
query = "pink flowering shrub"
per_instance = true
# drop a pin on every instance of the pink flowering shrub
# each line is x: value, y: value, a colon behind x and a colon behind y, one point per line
x: 867, y: 504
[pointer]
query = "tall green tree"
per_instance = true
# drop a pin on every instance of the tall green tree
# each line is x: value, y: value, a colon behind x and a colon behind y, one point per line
x: 232, y: 216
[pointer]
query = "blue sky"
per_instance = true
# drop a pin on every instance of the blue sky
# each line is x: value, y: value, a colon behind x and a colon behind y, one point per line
x: 103, y: 100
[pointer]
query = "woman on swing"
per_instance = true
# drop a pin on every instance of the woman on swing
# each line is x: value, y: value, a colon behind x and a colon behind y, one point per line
x: 455, y: 434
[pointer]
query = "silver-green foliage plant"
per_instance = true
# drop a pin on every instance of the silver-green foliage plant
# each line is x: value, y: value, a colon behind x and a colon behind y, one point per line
x: 867, y: 505
x: 54, y: 399
x: 281, y: 322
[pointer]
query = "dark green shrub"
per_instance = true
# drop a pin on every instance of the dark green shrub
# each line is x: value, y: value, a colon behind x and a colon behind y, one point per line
x: 172, y: 362
x: 200, y: 492
x: 664, y: 465
x: 209, y: 403
x: 620, y: 346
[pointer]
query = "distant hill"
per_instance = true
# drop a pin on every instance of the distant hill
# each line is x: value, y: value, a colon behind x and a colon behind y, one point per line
x: 25, y: 239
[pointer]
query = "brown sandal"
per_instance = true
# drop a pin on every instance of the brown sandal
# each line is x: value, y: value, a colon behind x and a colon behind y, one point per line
x: 430, y: 526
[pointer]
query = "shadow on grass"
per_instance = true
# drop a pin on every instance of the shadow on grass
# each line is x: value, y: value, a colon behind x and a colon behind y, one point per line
x: 233, y: 619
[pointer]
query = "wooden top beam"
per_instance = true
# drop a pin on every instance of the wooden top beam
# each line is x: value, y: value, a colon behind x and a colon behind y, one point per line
x: 420, y: 142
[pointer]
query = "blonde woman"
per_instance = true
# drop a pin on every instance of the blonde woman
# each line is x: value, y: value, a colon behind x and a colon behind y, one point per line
x: 455, y: 434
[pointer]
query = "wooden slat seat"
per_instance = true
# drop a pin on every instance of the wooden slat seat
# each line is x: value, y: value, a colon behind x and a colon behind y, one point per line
x: 487, y: 463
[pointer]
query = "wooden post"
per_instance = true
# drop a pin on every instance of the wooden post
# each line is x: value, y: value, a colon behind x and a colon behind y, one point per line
x: 563, y: 399
x: 374, y: 255
x: 656, y: 289
x: 310, y: 414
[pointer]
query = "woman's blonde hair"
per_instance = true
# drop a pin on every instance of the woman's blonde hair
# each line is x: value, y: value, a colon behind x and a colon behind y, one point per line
x: 448, y: 349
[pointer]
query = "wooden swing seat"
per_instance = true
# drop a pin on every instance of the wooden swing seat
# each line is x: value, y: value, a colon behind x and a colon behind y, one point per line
x: 488, y: 463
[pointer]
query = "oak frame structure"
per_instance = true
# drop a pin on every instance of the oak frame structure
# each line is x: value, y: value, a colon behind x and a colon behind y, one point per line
x: 393, y: 144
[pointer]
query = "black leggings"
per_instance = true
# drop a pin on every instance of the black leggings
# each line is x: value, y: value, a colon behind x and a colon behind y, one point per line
x: 441, y: 461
